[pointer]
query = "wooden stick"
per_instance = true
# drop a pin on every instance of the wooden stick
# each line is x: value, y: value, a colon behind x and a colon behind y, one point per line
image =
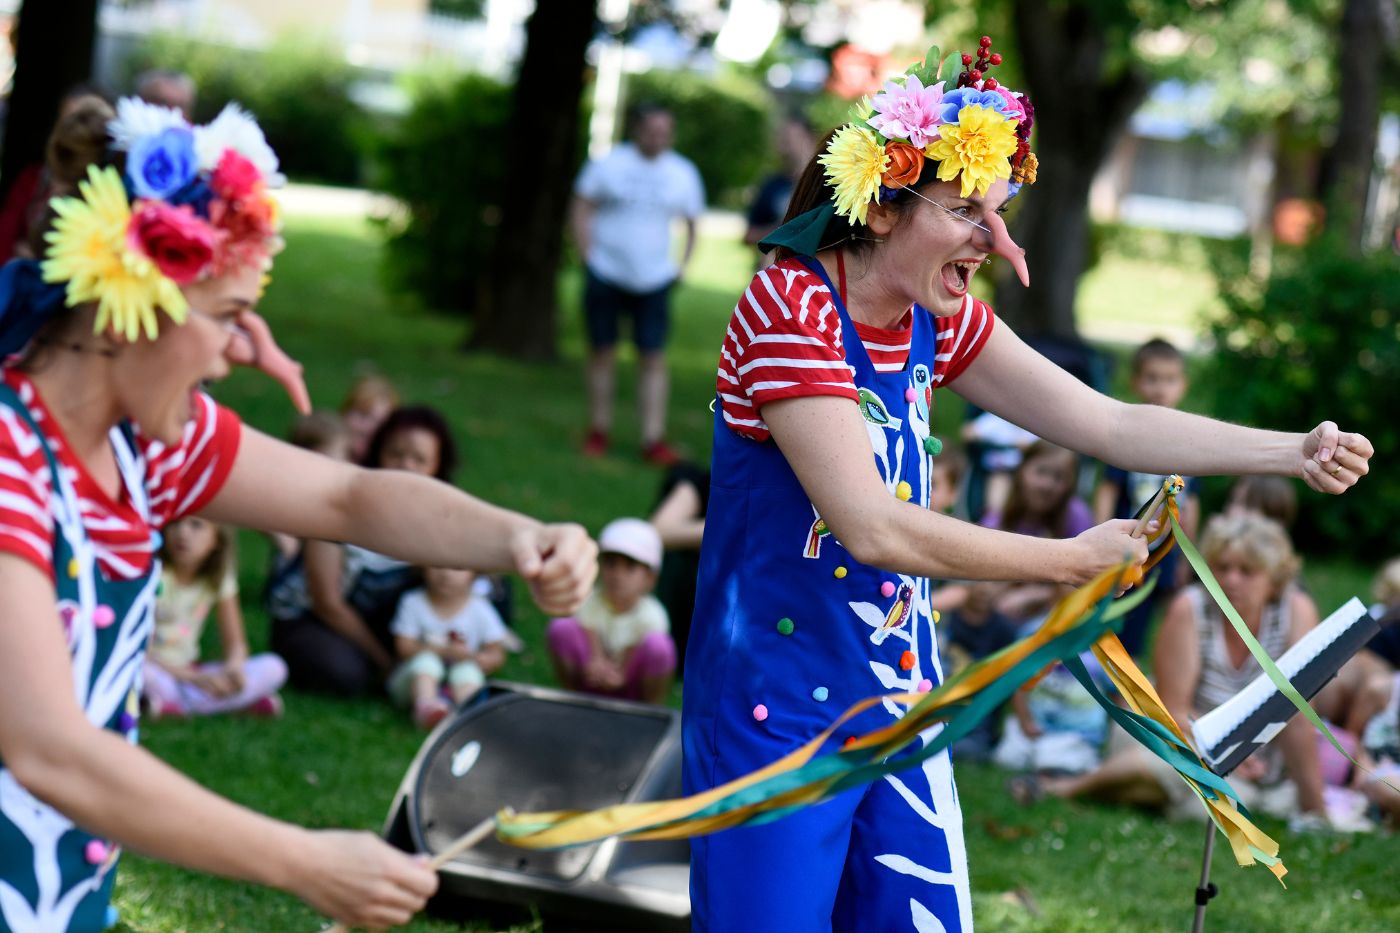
x: 460, y: 845
x: 1152, y: 508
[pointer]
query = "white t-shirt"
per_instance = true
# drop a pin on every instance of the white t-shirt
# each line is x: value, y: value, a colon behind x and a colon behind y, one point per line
x: 619, y: 631
x: 636, y: 199
x: 477, y: 623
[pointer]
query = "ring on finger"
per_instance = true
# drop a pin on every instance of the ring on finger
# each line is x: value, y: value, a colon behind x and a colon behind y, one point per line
x: 1337, y: 470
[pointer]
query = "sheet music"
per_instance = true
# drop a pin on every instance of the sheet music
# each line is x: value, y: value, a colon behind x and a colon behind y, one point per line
x: 1216, y: 726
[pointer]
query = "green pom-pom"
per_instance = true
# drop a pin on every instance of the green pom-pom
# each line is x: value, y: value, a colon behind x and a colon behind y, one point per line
x: 785, y: 626
x: 933, y: 446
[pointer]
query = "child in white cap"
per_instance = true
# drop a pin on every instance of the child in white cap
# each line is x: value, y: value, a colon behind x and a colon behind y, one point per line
x: 619, y: 643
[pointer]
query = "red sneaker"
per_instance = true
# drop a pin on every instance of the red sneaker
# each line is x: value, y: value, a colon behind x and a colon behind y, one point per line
x: 268, y: 707
x: 659, y: 453
x: 429, y: 713
x: 596, y: 444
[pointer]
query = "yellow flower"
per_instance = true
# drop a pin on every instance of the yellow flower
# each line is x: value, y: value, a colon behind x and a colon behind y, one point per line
x: 854, y: 163
x: 88, y: 248
x: 979, y: 146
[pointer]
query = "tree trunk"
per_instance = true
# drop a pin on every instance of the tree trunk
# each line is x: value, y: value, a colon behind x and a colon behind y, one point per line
x: 53, y: 51
x: 519, y: 303
x: 1344, y: 179
x: 1079, y: 113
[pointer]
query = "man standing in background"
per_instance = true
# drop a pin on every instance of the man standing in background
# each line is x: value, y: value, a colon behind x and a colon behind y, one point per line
x: 623, y: 208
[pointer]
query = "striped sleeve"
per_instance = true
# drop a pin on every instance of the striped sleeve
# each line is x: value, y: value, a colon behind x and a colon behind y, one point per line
x: 26, y: 524
x: 182, y: 480
x: 962, y: 338
x: 783, y: 341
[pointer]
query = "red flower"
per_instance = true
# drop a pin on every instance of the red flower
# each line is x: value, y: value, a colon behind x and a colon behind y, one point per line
x: 179, y: 243
x: 249, y: 227
x: 235, y: 177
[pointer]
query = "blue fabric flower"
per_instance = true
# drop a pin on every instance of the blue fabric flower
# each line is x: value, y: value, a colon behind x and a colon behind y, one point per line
x: 969, y: 96
x: 161, y: 164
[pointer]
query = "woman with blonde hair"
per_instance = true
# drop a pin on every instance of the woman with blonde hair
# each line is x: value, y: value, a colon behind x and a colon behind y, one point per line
x: 1200, y: 661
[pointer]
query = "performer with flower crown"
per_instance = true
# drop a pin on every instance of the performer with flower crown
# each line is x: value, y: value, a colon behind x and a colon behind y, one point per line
x: 147, y: 289
x: 814, y: 577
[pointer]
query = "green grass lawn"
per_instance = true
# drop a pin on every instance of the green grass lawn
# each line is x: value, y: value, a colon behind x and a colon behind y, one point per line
x: 1056, y: 867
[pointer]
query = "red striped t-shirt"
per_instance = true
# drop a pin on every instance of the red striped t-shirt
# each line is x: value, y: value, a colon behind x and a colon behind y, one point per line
x: 180, y: 481
x: 784, y: 340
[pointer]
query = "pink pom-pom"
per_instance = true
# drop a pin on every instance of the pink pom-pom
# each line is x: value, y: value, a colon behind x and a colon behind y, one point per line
x: 760, y: 712
x: 887, y: 589
x: 95, y: 852
x: 103, y: 616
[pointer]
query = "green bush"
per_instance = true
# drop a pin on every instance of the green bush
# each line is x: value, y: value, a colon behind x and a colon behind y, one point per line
x: 445, y: 161
x: 299, y: 91
x: 1320, y: 340
x: 723, y: 125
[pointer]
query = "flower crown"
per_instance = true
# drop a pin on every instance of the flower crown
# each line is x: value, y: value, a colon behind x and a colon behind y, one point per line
x: 192, y: 203
x: 979, y: 131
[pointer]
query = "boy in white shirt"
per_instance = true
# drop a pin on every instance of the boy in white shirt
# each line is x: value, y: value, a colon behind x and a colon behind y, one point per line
x: 445, y: 635
x: 620, y: 643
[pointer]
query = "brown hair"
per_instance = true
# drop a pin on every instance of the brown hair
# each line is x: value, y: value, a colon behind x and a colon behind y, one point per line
x: 1155, y: 350
x: 79, y: 139
x: 1017, y: 512
x: 318, y: 430
x: 221, y: 562
x: 1271, y: 496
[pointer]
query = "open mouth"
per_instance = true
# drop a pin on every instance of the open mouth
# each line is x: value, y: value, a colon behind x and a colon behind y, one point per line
x: 957, y: 275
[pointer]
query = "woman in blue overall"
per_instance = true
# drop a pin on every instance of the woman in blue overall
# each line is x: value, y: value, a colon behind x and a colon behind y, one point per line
x: 814, y: 576
x: 146, y: 290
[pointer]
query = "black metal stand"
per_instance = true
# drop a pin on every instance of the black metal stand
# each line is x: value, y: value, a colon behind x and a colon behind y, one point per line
x: 1206, y: 889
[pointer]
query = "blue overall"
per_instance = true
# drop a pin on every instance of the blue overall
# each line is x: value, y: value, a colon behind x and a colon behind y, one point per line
x: 55, y: 876
x: 889, y: 856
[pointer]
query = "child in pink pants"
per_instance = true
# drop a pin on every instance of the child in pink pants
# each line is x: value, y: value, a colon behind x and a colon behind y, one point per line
x: 620, y: 643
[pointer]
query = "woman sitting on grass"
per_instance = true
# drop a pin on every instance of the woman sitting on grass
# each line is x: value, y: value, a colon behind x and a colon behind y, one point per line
x: 1200, y: 662
x: 148, y: 289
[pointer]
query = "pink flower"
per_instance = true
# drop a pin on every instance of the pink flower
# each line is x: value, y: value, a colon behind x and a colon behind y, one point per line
x: 174, y: 238
x: 911, y: 112
x: 235, y: 177
x: 1013, y: 103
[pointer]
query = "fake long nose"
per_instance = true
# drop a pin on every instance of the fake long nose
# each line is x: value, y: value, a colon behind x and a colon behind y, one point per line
x: 1002, y: 245
x: 255, y: 346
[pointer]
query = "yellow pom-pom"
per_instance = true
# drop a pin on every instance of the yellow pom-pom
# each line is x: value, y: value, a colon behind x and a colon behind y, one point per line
x: 903, y: 491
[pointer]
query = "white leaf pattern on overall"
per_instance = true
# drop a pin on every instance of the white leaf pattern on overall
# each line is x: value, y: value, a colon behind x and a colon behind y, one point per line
x: 42, y: 825
x: 924, y: 920
x: 936, y: 771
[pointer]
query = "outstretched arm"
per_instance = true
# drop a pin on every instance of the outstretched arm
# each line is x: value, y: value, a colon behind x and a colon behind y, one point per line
x: 274, y: 486
x: 826, y: 444
x: 119, y: 791
x: 1022, y: 386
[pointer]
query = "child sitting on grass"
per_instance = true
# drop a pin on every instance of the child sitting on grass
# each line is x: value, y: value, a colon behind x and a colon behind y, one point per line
x: 200, y: 575
x: 619, y: 644
x: 446, y: 636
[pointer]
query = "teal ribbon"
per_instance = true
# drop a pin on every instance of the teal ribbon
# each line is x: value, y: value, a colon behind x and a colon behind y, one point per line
x: 803, y: 234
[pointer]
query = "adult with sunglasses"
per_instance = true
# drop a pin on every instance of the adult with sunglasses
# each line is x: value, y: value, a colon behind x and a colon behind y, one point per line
x: 147, y: 290
x: 815, y: 568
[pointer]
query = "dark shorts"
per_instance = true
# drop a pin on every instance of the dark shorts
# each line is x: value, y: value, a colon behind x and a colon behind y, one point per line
x: 605, y: 304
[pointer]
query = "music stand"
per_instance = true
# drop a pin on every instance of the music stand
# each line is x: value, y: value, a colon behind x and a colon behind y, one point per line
x: 1247, y: 721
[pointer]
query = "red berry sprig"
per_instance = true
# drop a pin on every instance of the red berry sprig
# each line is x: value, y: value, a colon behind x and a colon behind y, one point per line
x: 975, y: 68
